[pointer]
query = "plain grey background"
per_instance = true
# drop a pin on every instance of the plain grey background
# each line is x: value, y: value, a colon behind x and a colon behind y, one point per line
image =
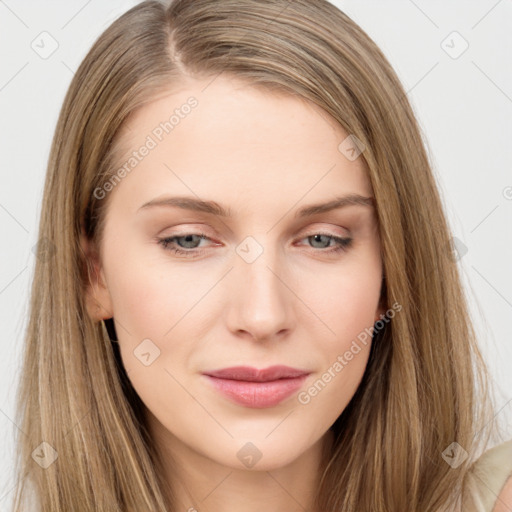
x: 454, y: 59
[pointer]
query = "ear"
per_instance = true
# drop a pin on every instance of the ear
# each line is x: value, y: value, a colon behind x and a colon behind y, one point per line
x: 97, y: 296
x: 379, y: 314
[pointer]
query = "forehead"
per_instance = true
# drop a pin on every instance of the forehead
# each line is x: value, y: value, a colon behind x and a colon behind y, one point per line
x: 229, y: 138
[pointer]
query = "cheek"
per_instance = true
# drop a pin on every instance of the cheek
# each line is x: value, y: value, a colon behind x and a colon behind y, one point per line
x: 150, y: 295
x: 151, y: 303
x: 345, y: 297
x: 346, y: 301
x: 164, y: 302
x: 348, y: 309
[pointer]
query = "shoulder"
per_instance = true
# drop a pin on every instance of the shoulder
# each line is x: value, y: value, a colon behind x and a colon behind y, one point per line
x: 489, y: 482
x: 504, y: 502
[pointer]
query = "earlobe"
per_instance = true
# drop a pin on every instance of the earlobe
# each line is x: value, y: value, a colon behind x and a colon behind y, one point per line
x: 96, y: 293
x: 381, y: 312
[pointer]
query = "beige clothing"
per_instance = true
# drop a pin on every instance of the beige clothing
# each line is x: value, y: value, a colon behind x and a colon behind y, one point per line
x: 487, y: 478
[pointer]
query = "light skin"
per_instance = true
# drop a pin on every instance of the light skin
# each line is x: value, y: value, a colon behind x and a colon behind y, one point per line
x: 504, y: 501
x: 264, y: 156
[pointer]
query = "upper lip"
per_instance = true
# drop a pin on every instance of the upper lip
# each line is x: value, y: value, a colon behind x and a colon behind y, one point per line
x: 247, y: 373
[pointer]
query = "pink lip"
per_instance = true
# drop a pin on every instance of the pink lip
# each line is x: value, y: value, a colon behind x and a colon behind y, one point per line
x: 257, y: 388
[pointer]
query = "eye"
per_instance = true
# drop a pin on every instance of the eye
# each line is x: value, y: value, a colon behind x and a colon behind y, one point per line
x: 340, y: 244
x: 190, y: 244
x: 187, y: 244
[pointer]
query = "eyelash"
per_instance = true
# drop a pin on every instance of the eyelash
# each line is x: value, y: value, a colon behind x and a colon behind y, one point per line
x: 342, y: 244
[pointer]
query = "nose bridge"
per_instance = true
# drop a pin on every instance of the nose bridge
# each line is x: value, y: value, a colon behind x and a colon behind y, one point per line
x: 261, y: 302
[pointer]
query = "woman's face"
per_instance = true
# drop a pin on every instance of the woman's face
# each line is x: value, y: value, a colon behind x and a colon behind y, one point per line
x: 268, y: 285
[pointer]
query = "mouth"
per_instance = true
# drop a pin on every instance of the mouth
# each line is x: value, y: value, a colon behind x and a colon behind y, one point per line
x: 255, y: 388
x: 249, y: 374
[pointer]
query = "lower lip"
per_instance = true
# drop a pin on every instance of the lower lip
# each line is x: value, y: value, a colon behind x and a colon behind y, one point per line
x: 257, y: 394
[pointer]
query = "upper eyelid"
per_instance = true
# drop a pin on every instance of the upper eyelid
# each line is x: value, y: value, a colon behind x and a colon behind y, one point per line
x: 312, y: 230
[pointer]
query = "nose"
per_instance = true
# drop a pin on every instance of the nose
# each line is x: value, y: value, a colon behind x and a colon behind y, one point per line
x: 261, y: 300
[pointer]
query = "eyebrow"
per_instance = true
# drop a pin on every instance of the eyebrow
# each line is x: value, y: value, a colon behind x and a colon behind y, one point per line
x: 214, y: 208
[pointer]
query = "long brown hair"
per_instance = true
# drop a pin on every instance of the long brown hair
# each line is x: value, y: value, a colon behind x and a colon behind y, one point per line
x: 425, y: 385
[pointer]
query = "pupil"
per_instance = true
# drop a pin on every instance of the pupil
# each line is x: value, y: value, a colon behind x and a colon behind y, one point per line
x: 317, y: 238
x: 188, y: 239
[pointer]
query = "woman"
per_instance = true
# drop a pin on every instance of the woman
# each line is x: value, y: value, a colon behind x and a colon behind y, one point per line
x: 252, y: 299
